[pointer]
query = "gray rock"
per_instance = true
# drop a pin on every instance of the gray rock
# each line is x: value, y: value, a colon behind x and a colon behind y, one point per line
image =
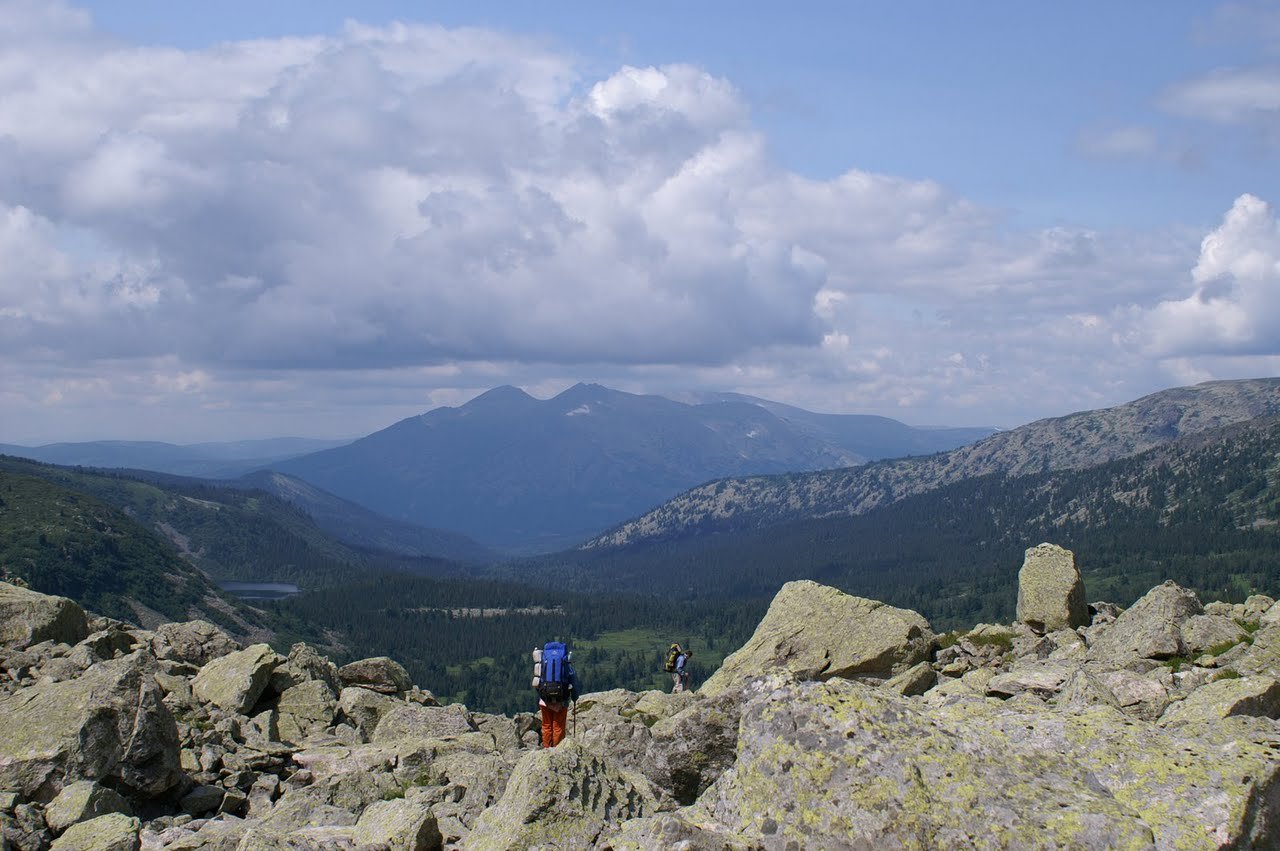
x: 562, y: 797
x: 1135, y: 694
x: 1202, y: 632
x: 398, y: 825
x: 838, y: 764
x: 109, y: 725
x: 410, y: 721
x: 304, y: 709
x: 28, y: 617
x: 1149, y: 629
x: 1246, y: 696
x: 379, y: 674
x: 305, y: 664
x: 364, y: 708
x: 1041, y: 679
x: 817, y: 632
x: 915, y: 680
x: 81, y: 801
x: 202, y: 799
x: 1050, y: 591
x: 195, y: 642
x: 235, y: 682
x: 111, y: 832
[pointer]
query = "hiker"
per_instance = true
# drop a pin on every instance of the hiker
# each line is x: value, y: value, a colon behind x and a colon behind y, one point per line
x: 681, y: 673
x: 557, y: 686
x: 673, y: 656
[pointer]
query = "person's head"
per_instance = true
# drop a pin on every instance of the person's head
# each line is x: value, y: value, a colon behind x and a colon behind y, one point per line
x: 688, y: 654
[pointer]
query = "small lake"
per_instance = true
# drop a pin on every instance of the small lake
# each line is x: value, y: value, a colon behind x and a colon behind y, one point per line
x: 260, y: 590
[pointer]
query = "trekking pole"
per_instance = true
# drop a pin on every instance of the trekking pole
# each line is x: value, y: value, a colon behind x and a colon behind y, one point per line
x: 575, y: 719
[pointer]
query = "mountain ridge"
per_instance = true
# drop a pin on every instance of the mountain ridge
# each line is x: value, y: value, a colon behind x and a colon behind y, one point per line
x: 532, y: 475
x: 1077, y: 440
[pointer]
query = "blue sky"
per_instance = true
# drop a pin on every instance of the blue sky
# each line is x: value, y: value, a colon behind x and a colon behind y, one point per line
x: 317, y: 218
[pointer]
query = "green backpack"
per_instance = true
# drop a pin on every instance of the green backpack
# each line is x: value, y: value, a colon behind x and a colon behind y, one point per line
x: 672, y: 655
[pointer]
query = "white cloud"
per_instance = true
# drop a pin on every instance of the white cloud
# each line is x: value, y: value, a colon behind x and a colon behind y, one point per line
x: 1235, y: 308
x: 1233, y: 95
x: 388, y: 218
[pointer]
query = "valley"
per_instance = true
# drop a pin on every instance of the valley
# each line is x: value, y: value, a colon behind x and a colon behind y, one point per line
x: 1184, y: 485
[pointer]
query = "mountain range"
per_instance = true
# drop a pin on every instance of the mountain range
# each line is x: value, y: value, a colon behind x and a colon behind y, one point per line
x: 526, y: 474
x: 1075, y: 441
x: 206, y: 460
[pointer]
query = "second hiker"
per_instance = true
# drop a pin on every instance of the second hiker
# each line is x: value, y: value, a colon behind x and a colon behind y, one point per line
x: 557, y: 686
x: 681, y: 673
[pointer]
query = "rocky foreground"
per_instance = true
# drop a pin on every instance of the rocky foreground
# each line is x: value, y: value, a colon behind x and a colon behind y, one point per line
x: 842, y: 723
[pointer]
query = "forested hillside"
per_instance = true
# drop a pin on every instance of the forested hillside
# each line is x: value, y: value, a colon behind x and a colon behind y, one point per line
x: 1202, y: 510
x: 1074, y: 442
x: 228, y: 534
x: 64, y: 542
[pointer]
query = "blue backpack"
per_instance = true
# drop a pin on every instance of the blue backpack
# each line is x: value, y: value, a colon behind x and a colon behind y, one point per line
x: 551, y: 673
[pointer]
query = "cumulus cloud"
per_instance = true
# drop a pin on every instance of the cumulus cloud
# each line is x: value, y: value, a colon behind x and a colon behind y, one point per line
x: 1235, y: 308
x: 395, y: 217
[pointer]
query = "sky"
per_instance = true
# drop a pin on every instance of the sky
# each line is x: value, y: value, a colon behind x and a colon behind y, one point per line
x: 311, y: 218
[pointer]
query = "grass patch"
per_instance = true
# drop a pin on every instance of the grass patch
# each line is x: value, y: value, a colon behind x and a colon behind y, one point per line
x: 1226, y: 674
x: 1003, y: 640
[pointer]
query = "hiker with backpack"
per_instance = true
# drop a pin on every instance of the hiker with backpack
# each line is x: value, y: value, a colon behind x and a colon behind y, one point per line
x: 557, y: 685
x: 682, y: 670
x: 673, y: 657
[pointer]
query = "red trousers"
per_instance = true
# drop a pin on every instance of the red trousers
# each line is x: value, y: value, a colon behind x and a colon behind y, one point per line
x: 553, y: 723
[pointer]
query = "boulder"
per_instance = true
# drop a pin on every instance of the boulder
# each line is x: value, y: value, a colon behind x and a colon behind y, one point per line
x: 1149, y: 629
x: 28, y: 617
x: 561, y: 797
x: 111, y: 832
x: 194, y: 642
x: 379, y: 674
x: 304, y: 709
x: 840, y: 764
x: 1137, y: 695
x: 1202, y: 632
x: 457, y: 787
x: 363, y: 709
x: 305, y: 664
x: 397, y: 825
x: 1248, y: 696
x: 349, y: 778
x: 915, y: 680
x: 81, y: 801
x: 1041, y: 679
x: 235, y: 682
x: 1050, y: 591
x: 109, y: 725
x: 817, y: 633
x: 410, y: 721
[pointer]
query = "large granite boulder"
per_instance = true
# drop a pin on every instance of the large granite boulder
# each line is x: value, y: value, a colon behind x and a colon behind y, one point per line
x: 1050, y: 591
x: 305, y: 664
x: 1254, y: 696
x: 563, y: 797
x: 235, y: 682
x: 410, y: 721
x: 112, y: 832
x: 1149, y: 629
x: 817, y: 632
x: 28, y: 617
x: 1202, y: 633
x: 842, y: 764
x: 109, y: 725
x: 363, y: 709
x: 380, y: 674
x: 306, y: 708
x: 194, y: 642
x: 399, y: 825
x: 81, y: 801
